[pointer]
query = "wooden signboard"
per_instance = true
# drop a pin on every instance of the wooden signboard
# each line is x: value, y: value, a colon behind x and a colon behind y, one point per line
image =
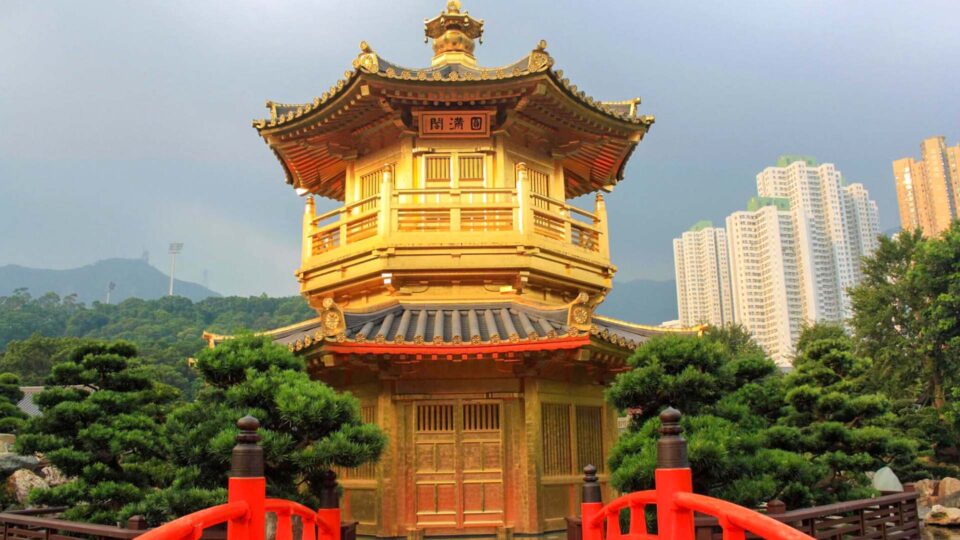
x: 458, y: 124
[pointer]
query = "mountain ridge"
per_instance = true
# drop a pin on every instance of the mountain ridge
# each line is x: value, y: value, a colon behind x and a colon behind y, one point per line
x: 134, y: 278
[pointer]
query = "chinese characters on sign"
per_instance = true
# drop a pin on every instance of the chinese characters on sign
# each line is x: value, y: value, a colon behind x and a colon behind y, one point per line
x: 455, y: 123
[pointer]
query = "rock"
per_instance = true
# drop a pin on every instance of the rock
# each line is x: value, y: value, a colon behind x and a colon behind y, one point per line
x: 886, y: 480
x: 12, y: 462
x: 21, y: 482
x: 925, y: 490
x: 948, y: 486
x: 53, y: 476
x: 942, y: 515
x: 925, y: 487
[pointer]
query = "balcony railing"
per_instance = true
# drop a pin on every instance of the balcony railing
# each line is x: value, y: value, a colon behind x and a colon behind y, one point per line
x: 472, y: 214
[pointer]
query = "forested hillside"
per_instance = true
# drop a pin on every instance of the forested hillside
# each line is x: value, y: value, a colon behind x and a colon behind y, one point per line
x: 167, y: 331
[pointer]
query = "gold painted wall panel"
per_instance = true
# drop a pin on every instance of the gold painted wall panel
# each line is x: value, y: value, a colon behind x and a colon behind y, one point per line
x: 363, y: 505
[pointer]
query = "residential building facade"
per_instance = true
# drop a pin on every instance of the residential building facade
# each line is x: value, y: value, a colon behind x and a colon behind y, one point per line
x: 702, y: 274
x: 765, y: 276
x: 791, y: 255
x: 928, y: 190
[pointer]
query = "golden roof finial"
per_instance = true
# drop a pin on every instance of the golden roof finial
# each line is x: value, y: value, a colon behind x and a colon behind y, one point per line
x: 453, y: 33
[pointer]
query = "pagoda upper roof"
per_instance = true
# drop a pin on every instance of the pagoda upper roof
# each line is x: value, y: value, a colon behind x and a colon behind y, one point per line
x: 368, y: 62
x: 371, y: 106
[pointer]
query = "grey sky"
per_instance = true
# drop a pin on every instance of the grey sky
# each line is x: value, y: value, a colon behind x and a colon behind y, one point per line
x: 126, y: 124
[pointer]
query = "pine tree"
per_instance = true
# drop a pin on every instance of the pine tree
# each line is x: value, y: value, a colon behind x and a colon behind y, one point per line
x: 11, y: 417
x: 753, y: 435
x: 306, y: 426
x: 101, y: 424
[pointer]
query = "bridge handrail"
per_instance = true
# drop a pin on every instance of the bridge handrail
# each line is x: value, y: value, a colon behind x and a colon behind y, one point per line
x: 612, y: 509
x: 735, y: 519
x: 247, y: 502
x: 192, y: 525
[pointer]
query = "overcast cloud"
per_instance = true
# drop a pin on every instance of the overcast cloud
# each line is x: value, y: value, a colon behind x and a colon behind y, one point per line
x: 126, y: 125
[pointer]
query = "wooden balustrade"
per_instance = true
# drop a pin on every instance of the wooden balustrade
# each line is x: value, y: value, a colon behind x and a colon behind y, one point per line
x: 888, y: 516
x: 461, y: 210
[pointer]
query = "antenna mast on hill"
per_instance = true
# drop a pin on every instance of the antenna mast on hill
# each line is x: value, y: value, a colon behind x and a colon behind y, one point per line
x: 175, y: 248
x: 110, y: 287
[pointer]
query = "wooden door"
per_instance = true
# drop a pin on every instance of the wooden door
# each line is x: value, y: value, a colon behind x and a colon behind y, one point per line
x: 436, y: 471
x: 459, y: 464
x: 481, y: 485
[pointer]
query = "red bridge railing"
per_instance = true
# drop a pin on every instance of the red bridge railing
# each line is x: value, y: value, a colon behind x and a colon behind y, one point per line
x: 674, y: 500
x: 247, y: 503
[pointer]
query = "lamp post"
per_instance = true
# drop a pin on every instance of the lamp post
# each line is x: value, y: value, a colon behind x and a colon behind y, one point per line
x: 175, y: 248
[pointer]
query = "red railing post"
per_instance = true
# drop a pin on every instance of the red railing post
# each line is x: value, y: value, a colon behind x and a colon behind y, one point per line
x: 672, y: 476
x: 591, y: 504
x: 247, y: 483
x: 328, y: 516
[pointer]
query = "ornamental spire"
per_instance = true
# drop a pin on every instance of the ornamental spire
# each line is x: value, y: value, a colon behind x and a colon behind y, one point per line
x: 453, y: 33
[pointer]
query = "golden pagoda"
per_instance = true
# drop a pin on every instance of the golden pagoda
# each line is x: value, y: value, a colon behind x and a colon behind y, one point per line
x: 456, y: 286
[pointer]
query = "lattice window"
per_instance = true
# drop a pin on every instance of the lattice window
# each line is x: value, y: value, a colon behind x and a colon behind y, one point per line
x: 589, y: 436
x: 471, y: 171
x: 555, y: 431
x: 369, y: 186
x: 540, y: 185
x: 367, y: 471
x: 436, y: 172
x: 434, y: 418
x: 481, y: 416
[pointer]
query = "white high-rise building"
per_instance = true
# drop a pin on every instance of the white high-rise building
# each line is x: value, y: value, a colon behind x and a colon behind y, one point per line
x: 703, y: 276
x: 864, y: 220
x: 765, y: 275
x: 818, y: 209
x: 793, y: 254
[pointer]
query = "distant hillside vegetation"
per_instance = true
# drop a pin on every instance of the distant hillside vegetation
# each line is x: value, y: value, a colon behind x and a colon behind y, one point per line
x: 35, y: 332
x: 134, y: 278
x: 642, y: 301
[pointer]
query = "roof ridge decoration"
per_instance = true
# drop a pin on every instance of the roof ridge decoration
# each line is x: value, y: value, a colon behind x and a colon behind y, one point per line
x: 453, y: 33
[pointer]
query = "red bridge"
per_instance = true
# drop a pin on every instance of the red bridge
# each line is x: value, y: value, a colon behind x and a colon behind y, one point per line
x: 247, y: 504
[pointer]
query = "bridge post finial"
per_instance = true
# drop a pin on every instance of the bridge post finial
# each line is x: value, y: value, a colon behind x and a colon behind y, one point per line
x: 247, y: 483
x: 591, y: 487
x: 776, y: 506
x: 591, y: 506
x: 671, y: 448
x: 246, y: 460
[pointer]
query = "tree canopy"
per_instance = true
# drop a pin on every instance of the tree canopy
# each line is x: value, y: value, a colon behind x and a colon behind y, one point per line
x: 907, y: 313
x: 36, y: 333
x: 306, y: 426
x: 754, y: 434
x: 100, y: 424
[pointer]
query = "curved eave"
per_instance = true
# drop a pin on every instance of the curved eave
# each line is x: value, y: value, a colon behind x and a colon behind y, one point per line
x: 536, y: 62
x: 358, y: 100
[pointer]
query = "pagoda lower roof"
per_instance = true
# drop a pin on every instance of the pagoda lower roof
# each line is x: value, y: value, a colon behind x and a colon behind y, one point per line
x: 503, y: 326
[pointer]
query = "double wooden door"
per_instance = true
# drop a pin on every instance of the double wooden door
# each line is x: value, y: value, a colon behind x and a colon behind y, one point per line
x: 458, y: 469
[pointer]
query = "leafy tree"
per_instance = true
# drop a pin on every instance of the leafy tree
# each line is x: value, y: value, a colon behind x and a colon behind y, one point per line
x: 33, y: 357
x: 11, y: 417
x: 907, y: 313
x: 736, y: 338
x: 100, y: 423
x: 307, y: 428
